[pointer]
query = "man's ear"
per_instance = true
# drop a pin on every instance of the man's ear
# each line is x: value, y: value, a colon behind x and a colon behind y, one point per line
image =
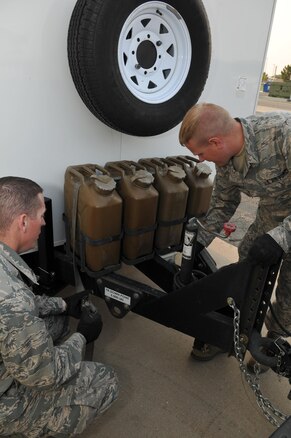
x: 215, y: 141
x: 22, y: 222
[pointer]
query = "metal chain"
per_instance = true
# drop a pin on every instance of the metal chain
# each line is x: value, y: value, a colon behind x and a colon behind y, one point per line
x: 268, y: 409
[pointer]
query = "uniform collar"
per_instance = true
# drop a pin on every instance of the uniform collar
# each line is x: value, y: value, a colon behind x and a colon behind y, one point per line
x: 16, y: 262
x: 249, y: 140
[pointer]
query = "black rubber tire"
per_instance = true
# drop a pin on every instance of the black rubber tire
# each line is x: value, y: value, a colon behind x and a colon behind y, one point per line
x: 93, y: 35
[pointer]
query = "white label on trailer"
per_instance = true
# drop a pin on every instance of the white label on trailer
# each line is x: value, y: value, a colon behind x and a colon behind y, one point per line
x: 117, y: 296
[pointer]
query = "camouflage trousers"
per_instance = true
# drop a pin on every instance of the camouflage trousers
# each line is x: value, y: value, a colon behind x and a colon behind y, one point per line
x: 65, y: 411
x: 267, y: 218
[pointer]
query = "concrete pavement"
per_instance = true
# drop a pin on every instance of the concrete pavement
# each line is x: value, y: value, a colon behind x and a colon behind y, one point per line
x: 269, y: 104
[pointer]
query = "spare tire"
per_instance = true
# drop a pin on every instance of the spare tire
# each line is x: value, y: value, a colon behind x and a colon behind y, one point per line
x: 139, y: 65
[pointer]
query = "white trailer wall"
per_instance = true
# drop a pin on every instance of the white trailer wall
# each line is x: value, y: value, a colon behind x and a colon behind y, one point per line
x: 45, y: 126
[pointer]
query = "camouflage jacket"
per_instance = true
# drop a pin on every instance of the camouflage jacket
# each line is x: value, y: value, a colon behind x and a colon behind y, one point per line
x: 27, y: 353
x: 282, y: 234
x: 266, y: 175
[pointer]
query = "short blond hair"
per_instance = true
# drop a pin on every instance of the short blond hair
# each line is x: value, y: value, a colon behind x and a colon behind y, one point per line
x: 203, y: 121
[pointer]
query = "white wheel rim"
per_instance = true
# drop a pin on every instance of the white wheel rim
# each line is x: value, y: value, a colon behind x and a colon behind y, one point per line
x: 154, y: 52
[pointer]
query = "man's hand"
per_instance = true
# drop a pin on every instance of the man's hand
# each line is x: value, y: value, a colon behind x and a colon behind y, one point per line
x: 265, y: 250
x: 90, y: 324
x: 74, y: 303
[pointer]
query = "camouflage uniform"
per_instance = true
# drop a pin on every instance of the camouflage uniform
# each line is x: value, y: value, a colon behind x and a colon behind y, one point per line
x: 45, y: 390
x: 266, y: 175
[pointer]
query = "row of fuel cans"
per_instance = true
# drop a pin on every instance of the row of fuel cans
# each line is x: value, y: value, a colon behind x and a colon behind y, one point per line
x: 128, y: 211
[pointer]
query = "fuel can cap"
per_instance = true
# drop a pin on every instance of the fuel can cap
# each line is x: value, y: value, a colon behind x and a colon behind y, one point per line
x: 229, y: 228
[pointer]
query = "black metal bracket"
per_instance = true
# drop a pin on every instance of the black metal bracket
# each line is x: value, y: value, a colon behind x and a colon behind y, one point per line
x: 122, y: 294
x: 199, y: 309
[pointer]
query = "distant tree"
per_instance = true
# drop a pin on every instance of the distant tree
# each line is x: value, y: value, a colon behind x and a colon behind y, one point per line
x: 265, y: 77
x: 286, y: 73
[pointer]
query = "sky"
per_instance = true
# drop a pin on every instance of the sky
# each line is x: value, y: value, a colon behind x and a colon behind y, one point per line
x: 279, y: 50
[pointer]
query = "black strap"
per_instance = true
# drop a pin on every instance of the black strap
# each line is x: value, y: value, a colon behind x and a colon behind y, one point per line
x: 172, y: 222
x: 137, y: 231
